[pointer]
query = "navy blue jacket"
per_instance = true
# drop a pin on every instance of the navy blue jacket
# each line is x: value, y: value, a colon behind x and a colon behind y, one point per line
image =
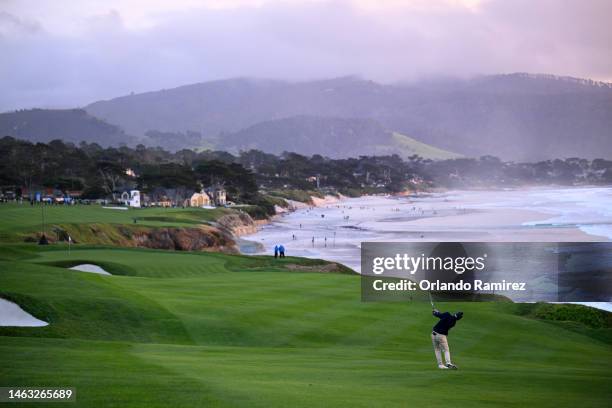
x: 447, y: 322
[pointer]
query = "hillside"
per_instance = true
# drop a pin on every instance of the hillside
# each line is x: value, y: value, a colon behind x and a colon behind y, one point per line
x: 407, y: 146
x: 71, y: 125
x: 230, y: 105
x: 339, y: 137
x: 515, y: 116
x: 205, y: 329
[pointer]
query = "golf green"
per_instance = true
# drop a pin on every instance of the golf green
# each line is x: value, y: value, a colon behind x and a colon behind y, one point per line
x: 203, y: 329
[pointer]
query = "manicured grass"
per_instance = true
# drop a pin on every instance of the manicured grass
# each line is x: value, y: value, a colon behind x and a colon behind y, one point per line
x: 202, y: 329
x: 16, y: 220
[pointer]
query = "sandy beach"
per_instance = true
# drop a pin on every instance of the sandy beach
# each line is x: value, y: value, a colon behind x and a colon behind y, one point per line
x: 334, y: 230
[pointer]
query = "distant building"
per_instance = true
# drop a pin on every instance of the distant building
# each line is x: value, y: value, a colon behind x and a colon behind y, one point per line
x: 217, y: 194
x: 161, y: 197
x: 8, y: 195
x: 74, y: 193
x: 164, y: 202
x: 135, y: 198
x: 200, y: 199
x: 131, y: 198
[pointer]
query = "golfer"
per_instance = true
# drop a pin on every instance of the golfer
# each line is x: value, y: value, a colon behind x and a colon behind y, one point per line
x: 438, y: 337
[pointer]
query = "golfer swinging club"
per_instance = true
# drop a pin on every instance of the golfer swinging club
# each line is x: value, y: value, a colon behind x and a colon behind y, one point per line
x: 438, y: 336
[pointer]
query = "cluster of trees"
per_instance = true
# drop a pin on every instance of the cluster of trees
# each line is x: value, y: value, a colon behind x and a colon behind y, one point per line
x: 366, y: 174
x: 101, y: 172
x: 392, y: 174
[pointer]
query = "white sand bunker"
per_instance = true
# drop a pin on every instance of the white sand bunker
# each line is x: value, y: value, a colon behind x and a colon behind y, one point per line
x: 91, y: 268
x: 12, y: 315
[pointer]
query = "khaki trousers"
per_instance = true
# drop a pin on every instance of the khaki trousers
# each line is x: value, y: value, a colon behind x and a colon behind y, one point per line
x: 440, y: 344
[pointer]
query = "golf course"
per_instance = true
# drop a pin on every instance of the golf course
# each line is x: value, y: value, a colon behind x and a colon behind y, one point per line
x: 94, y: 223
x: 199, y: 329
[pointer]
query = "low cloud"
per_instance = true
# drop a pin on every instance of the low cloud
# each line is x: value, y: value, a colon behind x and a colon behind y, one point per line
x: 74, y: 57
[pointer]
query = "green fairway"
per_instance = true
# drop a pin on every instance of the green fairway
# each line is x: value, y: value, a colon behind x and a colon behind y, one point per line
x: 19, y: 220
x: 203, y: 329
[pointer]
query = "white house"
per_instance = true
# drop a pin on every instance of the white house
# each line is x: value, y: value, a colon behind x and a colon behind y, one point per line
x: 131, y: 199
x: 134, y: 198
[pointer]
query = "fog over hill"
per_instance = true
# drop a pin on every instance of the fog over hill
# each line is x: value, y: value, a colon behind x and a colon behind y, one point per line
x: 514, y: 116
x: 520, y: 117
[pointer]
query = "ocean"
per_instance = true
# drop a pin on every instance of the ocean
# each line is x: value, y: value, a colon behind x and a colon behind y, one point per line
x: 335, y: 231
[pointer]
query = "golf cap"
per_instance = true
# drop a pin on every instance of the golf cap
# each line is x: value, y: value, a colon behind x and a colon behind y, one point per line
x: 459, y: 315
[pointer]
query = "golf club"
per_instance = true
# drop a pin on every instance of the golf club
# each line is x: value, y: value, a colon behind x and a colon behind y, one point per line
x: 431, y: 301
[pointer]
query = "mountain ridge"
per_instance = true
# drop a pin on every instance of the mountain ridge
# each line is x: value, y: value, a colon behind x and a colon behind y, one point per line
x: 70, y: 125
x: 514, y: 116
x: 517, y: 116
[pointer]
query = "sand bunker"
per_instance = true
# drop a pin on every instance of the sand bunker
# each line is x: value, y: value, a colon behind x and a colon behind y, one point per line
x: 12, y: 315
x: 91, y: 268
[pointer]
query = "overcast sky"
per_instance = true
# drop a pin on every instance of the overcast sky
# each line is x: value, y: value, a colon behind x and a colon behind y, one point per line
x: 70, y: 53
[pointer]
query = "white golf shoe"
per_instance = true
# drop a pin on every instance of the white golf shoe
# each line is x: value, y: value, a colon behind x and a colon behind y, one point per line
x: 442, y: 367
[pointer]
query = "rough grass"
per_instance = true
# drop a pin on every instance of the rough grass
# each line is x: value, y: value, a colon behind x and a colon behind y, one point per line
x: 592, y: 322
x: 406, y: 146
x: 202, y: 329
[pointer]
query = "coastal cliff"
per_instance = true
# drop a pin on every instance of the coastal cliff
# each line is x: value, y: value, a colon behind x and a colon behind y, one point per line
x: 217, y: 234
x: 200, y: 238
x: 238, y: 224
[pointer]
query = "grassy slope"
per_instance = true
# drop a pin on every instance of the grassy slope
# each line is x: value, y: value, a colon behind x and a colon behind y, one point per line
x: 17, y: 221
x: 200, y: 329
x: 406, y: 146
